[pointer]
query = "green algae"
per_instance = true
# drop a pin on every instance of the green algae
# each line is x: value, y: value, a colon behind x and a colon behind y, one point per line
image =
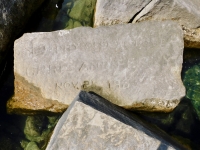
x: 75, y: 13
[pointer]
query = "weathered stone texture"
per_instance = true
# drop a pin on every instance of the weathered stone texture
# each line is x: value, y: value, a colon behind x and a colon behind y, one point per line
x: 191, y: 37
x: 28, y: 100
x: 183, y: 11
x: 117, y: 12
x: 134, y: 66
x: 85, y: 126
x: 186, y: 13
x: 13, y: 16
x: 114, y: 12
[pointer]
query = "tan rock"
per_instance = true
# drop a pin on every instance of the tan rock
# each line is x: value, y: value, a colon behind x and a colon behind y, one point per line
x: 28, y: 100
x: 191, y: 37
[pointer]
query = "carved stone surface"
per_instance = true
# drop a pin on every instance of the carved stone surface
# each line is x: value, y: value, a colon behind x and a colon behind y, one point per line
x: 94, y: 123
x: 117, y: 12
x: 134, y: 66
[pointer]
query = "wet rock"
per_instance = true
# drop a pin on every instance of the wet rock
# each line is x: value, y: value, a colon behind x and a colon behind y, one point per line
x: 32, y: 146
x: 14, y: 15
x: 75, y: 13
x: 38, y: 130
x: 33, y: 128
x: 192, y: 83
x: 91, y: 122
x: 128, y: 68
x: 182, y: 124
x: 117, y: 12
x: 46, y: 16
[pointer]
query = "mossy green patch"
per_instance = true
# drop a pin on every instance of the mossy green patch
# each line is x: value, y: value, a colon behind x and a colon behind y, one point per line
x: 75, y: 13
x: 192, y: 83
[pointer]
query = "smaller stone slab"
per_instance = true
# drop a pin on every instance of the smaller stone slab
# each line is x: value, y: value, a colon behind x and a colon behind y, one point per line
x: 92, y: 122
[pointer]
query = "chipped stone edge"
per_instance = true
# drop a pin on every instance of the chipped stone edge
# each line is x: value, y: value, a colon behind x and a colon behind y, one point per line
x: 32, y: 93
x: 60, y: 124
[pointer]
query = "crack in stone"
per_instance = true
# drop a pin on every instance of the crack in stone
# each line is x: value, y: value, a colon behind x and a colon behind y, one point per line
x: 131, y: 20
x: 144, y: 11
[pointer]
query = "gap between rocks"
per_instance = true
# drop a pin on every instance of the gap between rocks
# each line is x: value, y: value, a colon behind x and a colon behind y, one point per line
x: 143, y: 11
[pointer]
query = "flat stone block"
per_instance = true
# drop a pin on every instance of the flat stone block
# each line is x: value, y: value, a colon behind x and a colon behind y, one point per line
x: 134, y: 66
x: 91, y: 122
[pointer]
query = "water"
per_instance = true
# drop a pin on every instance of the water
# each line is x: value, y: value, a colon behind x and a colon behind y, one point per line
x: 183, y: 124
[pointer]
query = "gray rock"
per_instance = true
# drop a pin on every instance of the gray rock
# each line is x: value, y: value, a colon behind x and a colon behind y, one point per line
x: 117, y: 12
x: 134, y: 66
x: 185, y: 12
x: 92, y: 122
x: 13, y: 16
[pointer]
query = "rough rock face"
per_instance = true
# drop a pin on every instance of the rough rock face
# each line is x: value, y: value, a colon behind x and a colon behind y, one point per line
x: 183, y: 11
x: 94, y: 123
x: 13, y: 16
x: 111, y: 12
x: 28, y: 100
x: 117, y: 12
x: 192, y: 37
x: 133, y: 66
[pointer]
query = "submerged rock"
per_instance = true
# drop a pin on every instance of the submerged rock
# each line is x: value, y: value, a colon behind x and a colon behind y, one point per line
x: 14, y: 15
x: 38, y: 130
x: 91, y: 122
x: 192, y: 83
x: 133, y: 66
x: 182, y: 123
x: 75, y: 13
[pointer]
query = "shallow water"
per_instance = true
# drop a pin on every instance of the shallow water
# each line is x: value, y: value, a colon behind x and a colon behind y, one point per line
x: 183, y: 123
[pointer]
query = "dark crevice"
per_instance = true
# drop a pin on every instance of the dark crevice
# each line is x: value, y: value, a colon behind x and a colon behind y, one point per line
x: 131, y: 20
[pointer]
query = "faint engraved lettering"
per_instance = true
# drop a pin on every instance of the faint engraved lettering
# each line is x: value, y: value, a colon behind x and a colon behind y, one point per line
x: 32, y: 71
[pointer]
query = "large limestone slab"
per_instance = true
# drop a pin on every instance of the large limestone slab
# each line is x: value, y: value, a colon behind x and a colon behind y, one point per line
x: 134, y: 66
x: 92, y: 122
x: 117, y: 12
